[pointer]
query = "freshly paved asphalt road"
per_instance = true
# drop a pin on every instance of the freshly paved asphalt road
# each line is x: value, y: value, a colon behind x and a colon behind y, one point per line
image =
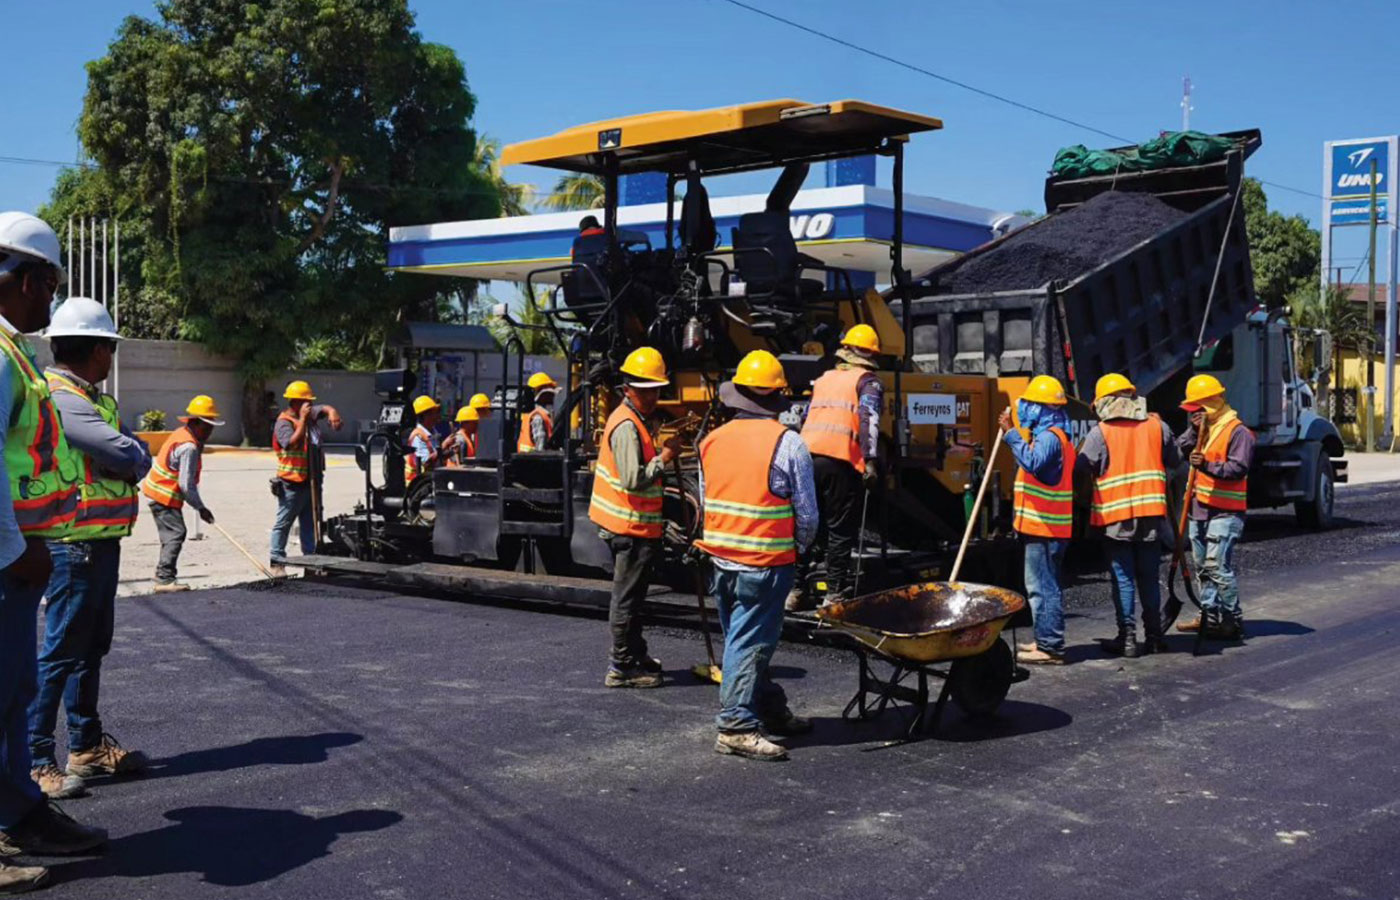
x: 317, y: 741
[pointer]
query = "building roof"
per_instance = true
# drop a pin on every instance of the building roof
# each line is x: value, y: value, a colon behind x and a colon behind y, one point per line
x: 441, y: 336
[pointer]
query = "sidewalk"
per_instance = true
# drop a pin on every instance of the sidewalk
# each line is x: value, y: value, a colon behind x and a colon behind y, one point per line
x: 1369, y: 468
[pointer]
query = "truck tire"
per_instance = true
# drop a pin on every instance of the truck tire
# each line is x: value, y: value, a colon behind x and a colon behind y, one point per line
x: 1317, y: 512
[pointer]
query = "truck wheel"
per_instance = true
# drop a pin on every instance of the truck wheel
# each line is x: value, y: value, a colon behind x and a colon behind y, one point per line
x: 1317, y: 512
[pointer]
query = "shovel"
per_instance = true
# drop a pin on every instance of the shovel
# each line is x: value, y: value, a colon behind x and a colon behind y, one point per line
x: 1172, y: 608
x: 710, y: 671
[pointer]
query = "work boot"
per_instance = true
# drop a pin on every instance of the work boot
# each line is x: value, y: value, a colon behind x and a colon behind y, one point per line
x: 277, y: 570
x: 631, y: 677
x: 106, y: 758
x: 750, y: 745
x: 1027, y: 647
x: 169, y: 587
x: 800, y: 600
x: 1154, y: 643
x: 1225, y: 626
x: 55, y: 784
x: 1190, y: 627
x: 1124, y: 645
x: 1038, y: 657
x: 788, y: 725
x: 49, y: 831
x: 18, y: 879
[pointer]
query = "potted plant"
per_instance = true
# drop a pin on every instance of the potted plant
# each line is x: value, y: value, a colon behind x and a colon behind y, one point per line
x: 151, y: 429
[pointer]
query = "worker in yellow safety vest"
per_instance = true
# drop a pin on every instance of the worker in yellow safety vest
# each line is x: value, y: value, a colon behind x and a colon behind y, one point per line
x: 301, y: 465
x: 424, y: 452
x: 174, y: 481
x: 460, y: 446
x: 842, y: 432
x: 1216, y: 516
x: 760, y: 513
x: 626, y: 507
x: 1044, y: 508
x: 536, y: 424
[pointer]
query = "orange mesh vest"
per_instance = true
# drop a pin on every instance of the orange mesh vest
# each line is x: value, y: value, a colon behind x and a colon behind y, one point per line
x: 162, y: 483
x: 526, y: 444
x: 745, y: 522
x: 1222, y: 493
x: 635, y: 513
x: 465, y: 447
x: 412, y: 465
x: 1047, y: 510
x: 833, y: 420
x: 1135, y: 485
x: 294, y: 462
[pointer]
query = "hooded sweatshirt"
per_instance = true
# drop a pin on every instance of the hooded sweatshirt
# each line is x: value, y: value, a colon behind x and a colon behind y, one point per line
x: 1093, y: 460
x: 1041, y: 457
x: 1239, y: 453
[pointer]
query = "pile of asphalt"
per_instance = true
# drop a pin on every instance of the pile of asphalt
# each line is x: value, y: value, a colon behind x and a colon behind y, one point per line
x: 1063, y: 246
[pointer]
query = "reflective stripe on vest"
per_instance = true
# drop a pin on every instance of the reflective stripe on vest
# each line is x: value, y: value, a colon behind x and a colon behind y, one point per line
x: 612, y: 506
x: 1222, y: 493
x: 1135, y: 485
x: 745, y: 522
x: 833, y: 418
x: 1044, y: 510
x: 465, y: 447
x: 43, y: 471
x: 162, y: 484
x: 526, y: 443
x: 107, y: 507
x: 412, y: 465
x: 294, y: 462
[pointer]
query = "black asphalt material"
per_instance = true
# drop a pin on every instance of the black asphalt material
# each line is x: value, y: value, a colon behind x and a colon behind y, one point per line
x: 316, y: 741
x: 1063, y: 246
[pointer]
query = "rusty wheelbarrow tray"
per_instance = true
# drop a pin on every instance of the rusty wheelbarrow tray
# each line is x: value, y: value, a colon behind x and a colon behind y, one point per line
x: 913, y: 628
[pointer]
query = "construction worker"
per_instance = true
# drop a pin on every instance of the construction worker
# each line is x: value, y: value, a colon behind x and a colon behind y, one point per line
x: 423, y: 448
x: 82, y: 591
x: 1218, y: 504
x: 1044, y: 508
x: 460, y: 445
x: 482, y: 404
x: 301, y: 465
x: 626, y: 507
x: 1128, y: 454
x: 43, y: 476
x: 174, y: 481
x: 536, y: 424
x: 842, y: 432
x: 760, y: 512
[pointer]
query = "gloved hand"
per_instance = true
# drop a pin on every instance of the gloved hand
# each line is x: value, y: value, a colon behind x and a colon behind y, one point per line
x: 871, y: 476
x: 207, y: 516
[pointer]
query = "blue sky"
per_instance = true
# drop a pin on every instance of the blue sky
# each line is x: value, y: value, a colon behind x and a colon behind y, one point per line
x: 1302, y: 72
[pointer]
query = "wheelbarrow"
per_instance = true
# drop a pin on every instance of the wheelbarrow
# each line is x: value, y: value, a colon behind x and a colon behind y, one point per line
x: 919, y: 626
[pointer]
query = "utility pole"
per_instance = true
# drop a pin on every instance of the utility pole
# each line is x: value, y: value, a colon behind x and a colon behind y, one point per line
x: 1371, y: 322
x: 1186, y: 106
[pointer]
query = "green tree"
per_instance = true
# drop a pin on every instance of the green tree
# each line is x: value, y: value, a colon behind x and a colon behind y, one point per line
x: 516, y: 199
x: 257, y: 153
x: 1286, y: 250
x: 576, y: 190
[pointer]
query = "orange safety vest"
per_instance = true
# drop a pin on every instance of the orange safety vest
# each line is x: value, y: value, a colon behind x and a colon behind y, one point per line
x: 162, y: 484
x: 465, y: 447
x: 833, y: 418
x: 1222, y: 493
x: 412, y: 465
x: 526, y: 444
x: 745, y: 522
x: 294, y: 462
x: 613, y: 507
x: 1047, y: 510
x: 1135, y: 485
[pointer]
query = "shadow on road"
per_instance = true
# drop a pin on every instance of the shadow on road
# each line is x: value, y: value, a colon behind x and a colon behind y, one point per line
x: 288, y: 750
x: 1270, y: 627
x: 1272, y: 527
x: 227, y: 845
x: 1013, y: 719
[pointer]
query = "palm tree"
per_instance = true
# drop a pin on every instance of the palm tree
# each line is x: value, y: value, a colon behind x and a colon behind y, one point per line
x: 516, y: 199
x: 576, y: 190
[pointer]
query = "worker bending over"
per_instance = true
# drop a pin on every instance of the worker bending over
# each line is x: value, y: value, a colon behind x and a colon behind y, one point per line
x: 423, y: 448
x: 174, y: 481
x: 82, y: 591
x: 1218, y: 504
x: 1044, y: 508
x: 760, y: 511
x: 460, y: 445
x: 1128, y: 454
x: 842, y: 432
x: 43, y: 490
x: 626, y: 507
x: 536, y: 425
x: 301, y: 466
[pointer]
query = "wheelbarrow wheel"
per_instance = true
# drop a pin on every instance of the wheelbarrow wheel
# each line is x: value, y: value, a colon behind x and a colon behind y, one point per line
x: 979, y: 683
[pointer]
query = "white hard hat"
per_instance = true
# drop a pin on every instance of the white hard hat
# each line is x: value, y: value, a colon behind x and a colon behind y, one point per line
x: 25, y: 238
x: 81, y: 317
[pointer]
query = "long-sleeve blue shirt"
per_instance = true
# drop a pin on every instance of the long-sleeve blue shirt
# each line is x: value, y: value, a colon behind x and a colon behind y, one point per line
x: 1041, y: 457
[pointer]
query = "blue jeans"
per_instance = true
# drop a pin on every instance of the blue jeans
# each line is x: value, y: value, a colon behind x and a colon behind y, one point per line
x: 750, y: 605
x: 293, y: 506
x: 19, y: 604
x: 1137, y: 572
x: 77, y: 634
x: 1043, y: 558
x: 1213, y: 549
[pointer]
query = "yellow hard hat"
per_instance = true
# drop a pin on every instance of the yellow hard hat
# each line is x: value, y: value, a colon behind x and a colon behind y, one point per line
x: 202, y: 407
x: 298, y: 390
x: 862, y: 337
x: 467, y: 414
x: 1111, y: 383
x: 540, y: 381
x: 1202, y: 387
x: 1045, y: 389
x: 760, y: 369
x: 646, y: 367
x: 422, y: 403
x: 479, y: 401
